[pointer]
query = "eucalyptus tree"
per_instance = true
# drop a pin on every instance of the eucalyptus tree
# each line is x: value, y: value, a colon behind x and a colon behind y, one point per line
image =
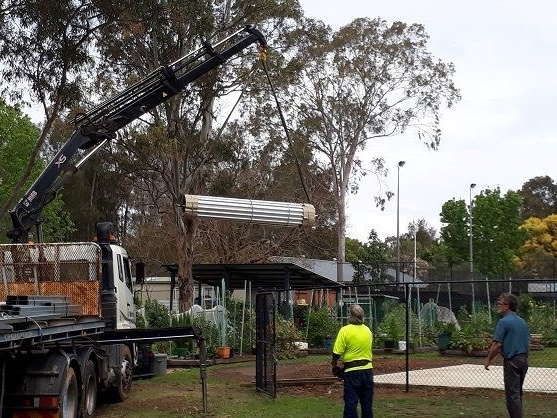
x: 180, y: 146
x: 370, y: 79
x: 45, y: 50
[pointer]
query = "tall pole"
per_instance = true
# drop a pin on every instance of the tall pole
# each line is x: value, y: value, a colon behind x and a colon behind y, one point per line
x: 400, y: 164
x: 472, y: 249
x: 406, y: 285
x: 417, y: 287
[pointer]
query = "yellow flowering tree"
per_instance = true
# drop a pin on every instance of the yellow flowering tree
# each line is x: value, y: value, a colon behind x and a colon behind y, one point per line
x: 539, y: 251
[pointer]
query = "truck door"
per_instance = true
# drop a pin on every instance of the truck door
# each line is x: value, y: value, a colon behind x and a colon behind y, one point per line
x: 123, y: 281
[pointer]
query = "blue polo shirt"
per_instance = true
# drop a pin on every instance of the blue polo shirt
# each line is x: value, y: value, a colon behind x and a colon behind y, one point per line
x: 512, y: 331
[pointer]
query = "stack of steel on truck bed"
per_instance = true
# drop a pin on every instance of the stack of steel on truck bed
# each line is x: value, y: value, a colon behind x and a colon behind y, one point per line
x: 21, y: 310
x: 39, y: 319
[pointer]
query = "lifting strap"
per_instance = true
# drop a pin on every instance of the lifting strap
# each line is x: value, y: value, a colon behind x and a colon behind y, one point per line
x: 263, y: 56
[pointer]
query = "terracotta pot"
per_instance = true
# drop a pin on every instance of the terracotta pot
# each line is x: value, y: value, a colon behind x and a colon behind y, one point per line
x: 223, y: 352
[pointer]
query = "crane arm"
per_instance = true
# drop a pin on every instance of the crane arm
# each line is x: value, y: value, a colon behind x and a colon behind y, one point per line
x: 101, y: 123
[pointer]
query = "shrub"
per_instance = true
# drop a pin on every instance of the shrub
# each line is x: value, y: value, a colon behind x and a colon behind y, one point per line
x: 393, y: 326
x: 234, y: 331
x: 210, y: 333
x: 286, y: 335
x: 540, y: 318
x: 476, y: 331
x: 322, y: 326
x: 156, y: 314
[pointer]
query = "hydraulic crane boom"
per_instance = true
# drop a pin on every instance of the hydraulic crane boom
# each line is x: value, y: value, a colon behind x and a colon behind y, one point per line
x: 101, y: 123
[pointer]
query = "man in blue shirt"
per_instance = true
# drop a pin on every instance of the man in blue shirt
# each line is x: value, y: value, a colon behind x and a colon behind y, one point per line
x: 511, y: 339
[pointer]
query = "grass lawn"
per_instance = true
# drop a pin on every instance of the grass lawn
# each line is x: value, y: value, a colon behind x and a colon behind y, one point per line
x: 178, y: 395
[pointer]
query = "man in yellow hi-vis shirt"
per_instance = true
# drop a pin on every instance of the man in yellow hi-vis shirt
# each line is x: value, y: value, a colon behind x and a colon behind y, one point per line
x: 354, y: 345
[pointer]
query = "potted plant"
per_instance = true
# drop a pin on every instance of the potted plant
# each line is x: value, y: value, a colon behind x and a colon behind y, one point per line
x: 444, y: 337
x: 393, y: 328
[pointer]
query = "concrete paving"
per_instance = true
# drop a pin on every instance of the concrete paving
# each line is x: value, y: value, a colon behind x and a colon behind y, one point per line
x: 538, y: 379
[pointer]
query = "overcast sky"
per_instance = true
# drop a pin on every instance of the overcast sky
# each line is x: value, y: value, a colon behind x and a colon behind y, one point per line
x: 501, y: 133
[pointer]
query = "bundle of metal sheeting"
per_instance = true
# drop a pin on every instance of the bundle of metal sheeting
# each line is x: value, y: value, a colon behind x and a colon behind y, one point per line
x: 19, y: 311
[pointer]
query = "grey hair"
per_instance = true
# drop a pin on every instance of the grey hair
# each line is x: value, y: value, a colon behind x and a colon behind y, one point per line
x: 356, y: 315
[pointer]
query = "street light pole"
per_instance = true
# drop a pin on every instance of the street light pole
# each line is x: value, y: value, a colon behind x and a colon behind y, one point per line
x: 472, y: 185
x: 400, y: 164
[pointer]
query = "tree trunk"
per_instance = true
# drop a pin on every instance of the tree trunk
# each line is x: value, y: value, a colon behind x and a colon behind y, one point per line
x: 186, y: 233
x: 341, y: 232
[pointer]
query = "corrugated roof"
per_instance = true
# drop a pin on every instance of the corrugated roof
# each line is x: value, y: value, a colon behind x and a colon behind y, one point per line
x: 328, y: 269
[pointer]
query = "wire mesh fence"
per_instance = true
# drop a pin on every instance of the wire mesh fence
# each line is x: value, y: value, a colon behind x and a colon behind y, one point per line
x: 71, y: 270
x: 438, y: 334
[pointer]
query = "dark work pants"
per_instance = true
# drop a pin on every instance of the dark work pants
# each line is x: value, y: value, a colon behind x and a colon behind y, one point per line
x: 358, y: 386
x: 515, y: 370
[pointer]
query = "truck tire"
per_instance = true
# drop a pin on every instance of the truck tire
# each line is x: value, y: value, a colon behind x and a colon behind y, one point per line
x: 90, y: 390
x: 123, y: 383
x: 69, y: 395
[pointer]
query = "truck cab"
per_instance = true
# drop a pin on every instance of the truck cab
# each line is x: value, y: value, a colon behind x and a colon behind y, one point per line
x: 117, y: 284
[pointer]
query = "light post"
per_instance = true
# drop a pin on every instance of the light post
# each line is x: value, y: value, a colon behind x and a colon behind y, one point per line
x: 418, y: 309
x: 400, y: 164
x: 472, y: 185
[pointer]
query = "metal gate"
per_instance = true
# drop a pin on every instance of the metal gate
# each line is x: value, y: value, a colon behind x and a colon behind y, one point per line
x: 266, y: 368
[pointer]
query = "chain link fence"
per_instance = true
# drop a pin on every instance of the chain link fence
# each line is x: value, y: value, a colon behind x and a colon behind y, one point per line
x: 438, y: 333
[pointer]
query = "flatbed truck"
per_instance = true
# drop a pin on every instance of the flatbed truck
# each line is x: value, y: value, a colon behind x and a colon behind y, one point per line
x: 67, y: 314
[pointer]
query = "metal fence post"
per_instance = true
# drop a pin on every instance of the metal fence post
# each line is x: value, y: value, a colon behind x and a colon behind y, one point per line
x: 203, y: 370
x: 407, y: 336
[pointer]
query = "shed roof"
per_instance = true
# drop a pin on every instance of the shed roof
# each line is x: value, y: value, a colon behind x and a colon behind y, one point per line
x: 275, y: 276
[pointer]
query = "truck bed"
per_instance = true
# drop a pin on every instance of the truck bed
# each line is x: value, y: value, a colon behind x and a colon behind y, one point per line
x: 42, y: 333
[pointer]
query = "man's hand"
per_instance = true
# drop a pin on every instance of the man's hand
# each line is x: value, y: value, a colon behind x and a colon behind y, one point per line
x: 335, y: 368
x: 337, y: 371
x: 494, y: 349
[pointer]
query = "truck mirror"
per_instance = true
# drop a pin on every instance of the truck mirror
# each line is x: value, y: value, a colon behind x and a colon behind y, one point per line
x: 140, y: 272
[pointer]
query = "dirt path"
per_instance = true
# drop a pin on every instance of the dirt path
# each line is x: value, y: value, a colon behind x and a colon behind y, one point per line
x: 381, y: 365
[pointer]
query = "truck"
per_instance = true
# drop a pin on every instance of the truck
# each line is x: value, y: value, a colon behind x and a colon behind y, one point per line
x: 67, y: 314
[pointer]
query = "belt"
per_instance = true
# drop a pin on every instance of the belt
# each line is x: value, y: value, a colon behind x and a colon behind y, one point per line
x: 356, y: 363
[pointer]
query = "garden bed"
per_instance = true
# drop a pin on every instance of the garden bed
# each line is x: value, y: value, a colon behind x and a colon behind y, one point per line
x: 462, y: 353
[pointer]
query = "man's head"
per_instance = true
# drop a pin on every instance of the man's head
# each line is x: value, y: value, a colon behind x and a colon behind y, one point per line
x: 356, y: 315
x: 507, y: 302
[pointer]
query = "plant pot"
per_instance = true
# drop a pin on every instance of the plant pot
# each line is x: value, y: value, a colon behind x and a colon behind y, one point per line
x: 443, y: 341
x: 223, y: 352
x: 389, y: 345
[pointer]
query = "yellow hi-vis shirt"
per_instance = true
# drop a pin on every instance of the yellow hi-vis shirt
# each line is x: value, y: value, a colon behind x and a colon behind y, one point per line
x: 354, y: 342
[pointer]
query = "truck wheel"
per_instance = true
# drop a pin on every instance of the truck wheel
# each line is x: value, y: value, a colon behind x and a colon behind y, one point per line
x: 123, y: 383
x: 69, y: 396
x: 89, y: 390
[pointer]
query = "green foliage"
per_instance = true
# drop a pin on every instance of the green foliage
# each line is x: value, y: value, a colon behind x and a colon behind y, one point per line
x: 497, y: 233
x: 468, y: 340
x: 454, y: 233
x: 58, y: 225
x: 539, y: 197
x: 156, y: 314
x: 322, y: 326
x: 525, y: 305
x: 210, y: 332
x: 18, y: 137
x: 393, y: 325
x: 286, y: 335
x: 540, y: 318
x: 367, y: 258
x: 234, y: 332
x: 476, y: 330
